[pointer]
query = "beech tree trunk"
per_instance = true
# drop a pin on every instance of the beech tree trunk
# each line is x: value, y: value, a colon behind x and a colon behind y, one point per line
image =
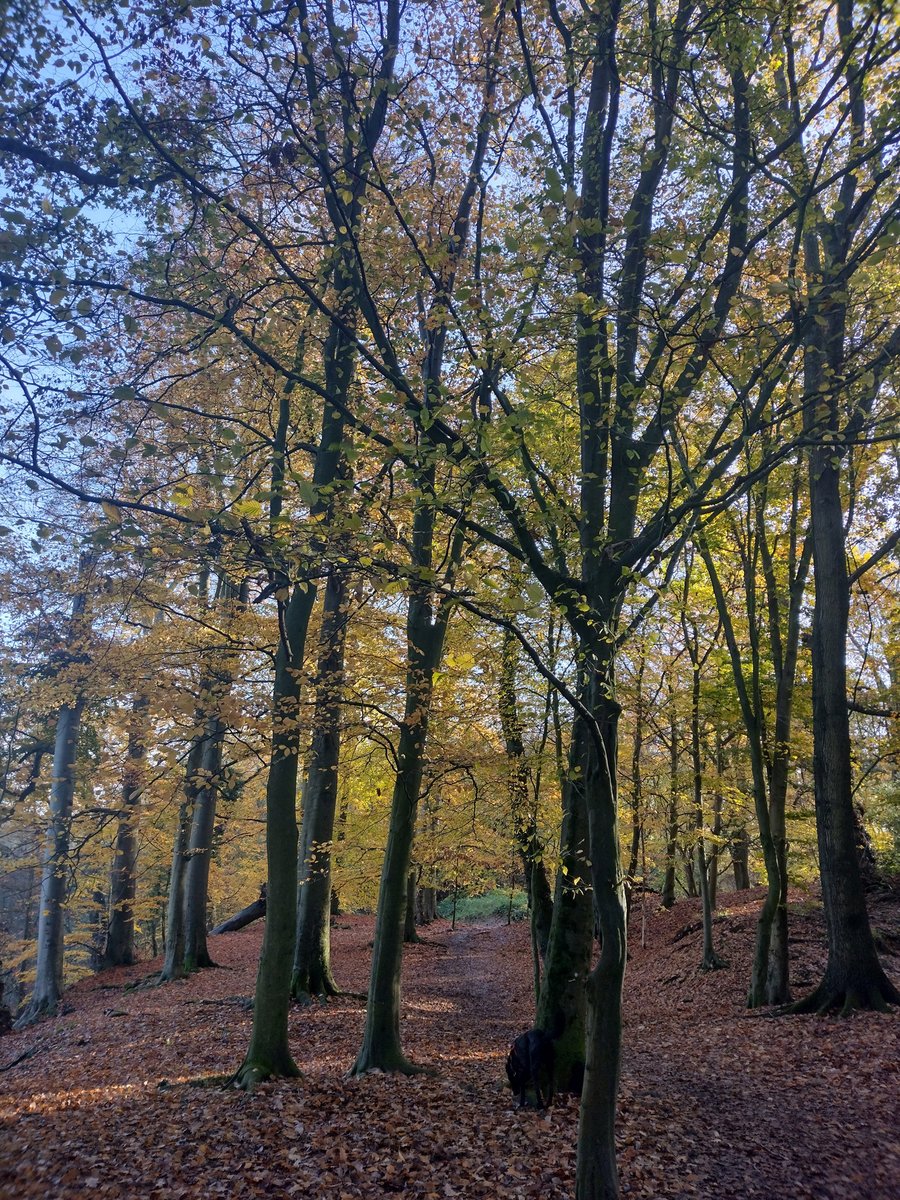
x: 523, y: 818
x: 561, y: 1007
x: 173, y: 963
x: 381, y: 1045
x: 269, y: 1052
x: 740, y: 859
x: 48, y: 982
x: 312, y: 974
x: 199, y: 848
x: 854, y: 977
x: 667, y: 897
x: 119, y: 949
x: 253, y: 912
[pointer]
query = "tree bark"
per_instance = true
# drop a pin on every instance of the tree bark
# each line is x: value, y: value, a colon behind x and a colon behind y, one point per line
x: 119, y: 949
x: 312, y: 975
x: 48, y: 982
x: 253, y: 912
x: 854, y: 977
x: 269, y: 1052
x: 523, y: 817
x: 381, y: 1046
x: 561, y: 1008
x: 199, y: 847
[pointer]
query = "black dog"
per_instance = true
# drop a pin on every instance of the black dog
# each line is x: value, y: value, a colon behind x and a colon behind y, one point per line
x: 529, y: 1064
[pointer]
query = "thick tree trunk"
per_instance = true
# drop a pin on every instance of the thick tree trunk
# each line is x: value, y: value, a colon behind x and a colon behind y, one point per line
x: 119, y: 949
x: 312, y: 974
x: 854, y: 977
x: 562, y: 1004
x: 269, y: 1052
x: 48, y: 982
x: 596, y: 1173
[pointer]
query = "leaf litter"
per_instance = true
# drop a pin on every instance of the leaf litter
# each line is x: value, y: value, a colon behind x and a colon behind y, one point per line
x: 714, y: 1101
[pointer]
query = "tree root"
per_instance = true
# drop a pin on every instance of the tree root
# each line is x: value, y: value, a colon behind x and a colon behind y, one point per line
x: 877, y: 996
x: 253, y: 1072
x: 713, y: 962
x: 394, y: 1064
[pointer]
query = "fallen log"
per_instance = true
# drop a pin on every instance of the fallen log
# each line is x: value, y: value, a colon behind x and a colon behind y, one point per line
x: 251, y: 913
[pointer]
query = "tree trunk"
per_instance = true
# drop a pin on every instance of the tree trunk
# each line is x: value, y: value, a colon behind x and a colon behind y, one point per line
x: 312, y: 974
x: 48, y: 983
x: 667, y: 897
x: 740, y: 859
x: 523, y: 819
x: 410, y: 936
x: 253, y: 912
x: 381, y: 1047
x: 562, y: 1004
x: 199, y: 850
x: 119, y: 949
x: 718, y: 802
x: 596, y: 1173
x: 854, y: 977
x: 173, y: 964
x: 269, y: 1052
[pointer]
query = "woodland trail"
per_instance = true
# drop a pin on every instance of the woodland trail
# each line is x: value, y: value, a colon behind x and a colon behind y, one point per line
x: 715, y: 1102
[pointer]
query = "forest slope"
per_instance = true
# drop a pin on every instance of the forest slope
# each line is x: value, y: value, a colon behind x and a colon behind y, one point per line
x: 714, y: 1102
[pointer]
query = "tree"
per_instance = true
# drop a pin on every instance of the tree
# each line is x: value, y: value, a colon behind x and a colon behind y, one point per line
x: 48, y: 984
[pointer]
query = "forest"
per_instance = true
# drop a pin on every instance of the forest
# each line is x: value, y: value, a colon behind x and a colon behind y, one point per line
x: 451, y: 508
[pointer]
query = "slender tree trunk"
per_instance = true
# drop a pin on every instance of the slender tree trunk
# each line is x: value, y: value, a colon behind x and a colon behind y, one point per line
x: 410, y: 936
x: 199, y: 849
x: 381, y: 1046
x: 636, y: 783
x: 312, y: 974
x: 710, y: 961
x: 119, y: 949
x: 173, y: 963
x: 718, y: 802
x: 524, y: 824
x: 740, y: 859
x: 667, y: 898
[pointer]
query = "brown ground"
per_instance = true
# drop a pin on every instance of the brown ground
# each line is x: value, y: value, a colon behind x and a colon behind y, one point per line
x: 715, y: 1102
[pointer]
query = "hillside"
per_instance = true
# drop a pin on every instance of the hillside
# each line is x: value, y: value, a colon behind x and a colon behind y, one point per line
x: 715, y: 1101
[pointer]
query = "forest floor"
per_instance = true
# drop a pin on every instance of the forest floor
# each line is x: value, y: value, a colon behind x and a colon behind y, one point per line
x: 715, y: 1102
